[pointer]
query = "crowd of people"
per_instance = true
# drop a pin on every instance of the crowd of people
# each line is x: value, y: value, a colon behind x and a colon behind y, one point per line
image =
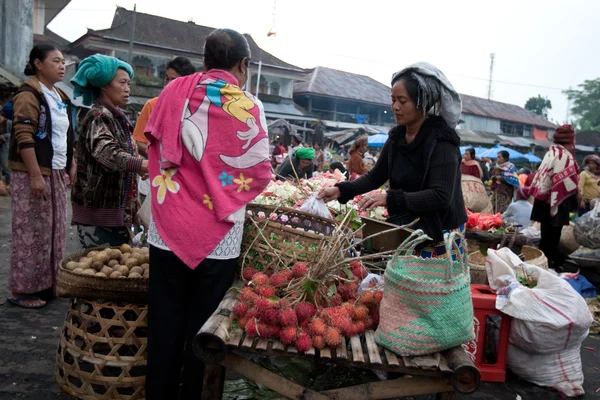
x: 170, y: 159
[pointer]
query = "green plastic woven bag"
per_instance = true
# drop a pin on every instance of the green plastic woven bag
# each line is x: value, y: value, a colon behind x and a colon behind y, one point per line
x: 426, y: 306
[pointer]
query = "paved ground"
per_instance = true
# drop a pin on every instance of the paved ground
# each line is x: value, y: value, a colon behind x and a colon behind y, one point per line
x: 28, y: 340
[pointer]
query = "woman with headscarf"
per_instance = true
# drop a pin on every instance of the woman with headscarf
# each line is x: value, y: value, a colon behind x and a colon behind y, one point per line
x: 299, y: 165
x: 104, y: 197
x: 421, y: 160
x: 356, y: 164
x: 469, y: 165
x: 41, y: 159
x: 208, y: 154
x: 555, y: 190
x: 589, y: 183
x: 505, y: 181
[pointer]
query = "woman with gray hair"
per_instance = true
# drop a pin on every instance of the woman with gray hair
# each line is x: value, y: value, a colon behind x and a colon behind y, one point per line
x: 421, y: 159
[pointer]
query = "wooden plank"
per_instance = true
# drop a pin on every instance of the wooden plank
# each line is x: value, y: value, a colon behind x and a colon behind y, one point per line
x: 342, y: 352
x: 391, y: 358
x: 311, y: 352
x: 269, y: 379
x: 262, y: 344
x: 391, y: 389
x: 278, y: 346
x: 357, y: 351
x: 235, y: 337
x: 326, y: 353
x: 372, y: 348
x: 247, y: 343
x: 292, y: 350
x: 214, y: 381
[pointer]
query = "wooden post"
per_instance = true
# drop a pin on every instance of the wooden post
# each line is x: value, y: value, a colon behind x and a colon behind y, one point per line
x: 213, y: 382
x: 465, y: 376
x: 210, y: 342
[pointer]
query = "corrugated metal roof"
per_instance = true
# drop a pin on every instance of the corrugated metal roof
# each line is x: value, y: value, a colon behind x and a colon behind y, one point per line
x: 589, y: 138
x: 478, y: 137
x: 350, y: 125
x: 8, y: 77
x: 524, y: 142
x: 345, y: 85
x: 508, y: 112
x: 158, y: 31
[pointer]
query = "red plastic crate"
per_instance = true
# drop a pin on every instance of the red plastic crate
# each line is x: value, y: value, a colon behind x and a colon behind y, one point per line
x: 484, y: 305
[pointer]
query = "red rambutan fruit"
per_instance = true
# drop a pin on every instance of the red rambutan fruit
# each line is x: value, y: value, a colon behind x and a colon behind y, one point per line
x: 317, y: 327
x: 251, y: 328
x: 240, y: 309
x: 277, y: 280
x: 288, y: 335
x: 248, y: 273
x: 242, y: 322
x: 299, y: 270
x: 266, y: 291
x: 360, y: 312
x: 260, y: 279
x: 318, y: 342
x: 288, y: 317
x: 304, y: 311
x: 375, y: 318
x: 248, y: 296
x: 378, y: 295
x: 332, y: 337
x: 273, y: 331
x: 303, y: 343
x: 367, y: 298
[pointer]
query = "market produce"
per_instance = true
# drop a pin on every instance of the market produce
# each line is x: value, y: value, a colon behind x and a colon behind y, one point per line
x: 306, y: 307
x: 293, y: 195
x: 483, y: 222
x: 587, y: 229
x: 113, y: 263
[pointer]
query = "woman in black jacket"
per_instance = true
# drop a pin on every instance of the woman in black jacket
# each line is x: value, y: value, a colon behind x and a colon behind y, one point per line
x: 421, y: 159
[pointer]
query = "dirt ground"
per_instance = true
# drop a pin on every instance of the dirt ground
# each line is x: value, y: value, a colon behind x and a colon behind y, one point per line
x: 28, y: 341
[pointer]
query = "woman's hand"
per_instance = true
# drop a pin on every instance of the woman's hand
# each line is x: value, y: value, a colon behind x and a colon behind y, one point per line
x: 329, y: 194
x: 38, y: 187
x: 372, y: 202
x: 72, y: 172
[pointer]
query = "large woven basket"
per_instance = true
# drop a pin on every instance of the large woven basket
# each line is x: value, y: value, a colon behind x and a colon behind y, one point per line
x: 474, y: 193
x: 69, y: 284
x: 279, y: 237
x: 476, y: 262
x: 102, y: 351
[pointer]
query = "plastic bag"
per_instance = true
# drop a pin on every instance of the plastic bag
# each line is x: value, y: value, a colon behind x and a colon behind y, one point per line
x: 372, y: 283
x: 587, y: 229
x: 317, y: 207
x: 551, y: 320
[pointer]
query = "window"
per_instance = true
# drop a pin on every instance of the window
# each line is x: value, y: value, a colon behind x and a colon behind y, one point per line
x: 512, y: 128
x: 275, y: 88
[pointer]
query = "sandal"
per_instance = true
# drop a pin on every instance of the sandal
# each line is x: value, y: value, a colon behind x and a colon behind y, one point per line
x: 19, y: 301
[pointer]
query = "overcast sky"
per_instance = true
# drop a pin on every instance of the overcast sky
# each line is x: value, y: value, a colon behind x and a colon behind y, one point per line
x: 541, y: 46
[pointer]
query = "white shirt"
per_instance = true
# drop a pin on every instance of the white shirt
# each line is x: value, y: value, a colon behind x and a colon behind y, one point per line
x: 60, y: 126
x: 229, y: 247
x: 519, y: 212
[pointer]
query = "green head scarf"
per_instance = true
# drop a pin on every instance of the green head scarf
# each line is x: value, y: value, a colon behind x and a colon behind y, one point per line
x: 305, y: 153
x: 95, y: 72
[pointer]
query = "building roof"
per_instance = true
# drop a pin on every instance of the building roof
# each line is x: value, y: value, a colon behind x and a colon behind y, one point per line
x: 345, y: 85
x: 52, y: 38
x: 589, y: 138
x: 152, y: 30
x: 497, y: 110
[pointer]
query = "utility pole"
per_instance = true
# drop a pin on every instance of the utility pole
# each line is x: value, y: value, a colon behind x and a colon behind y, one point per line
x: 568, y: 106
x: 491, y: 73
x: 132, y: 37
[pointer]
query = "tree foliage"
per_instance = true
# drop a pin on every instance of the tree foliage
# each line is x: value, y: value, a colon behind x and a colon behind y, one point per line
x: 539, y: 105
x: 585, y: 104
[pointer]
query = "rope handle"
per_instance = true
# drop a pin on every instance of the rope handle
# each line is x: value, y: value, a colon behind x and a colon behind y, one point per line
x: 449, y: 240
x: 407, y: 248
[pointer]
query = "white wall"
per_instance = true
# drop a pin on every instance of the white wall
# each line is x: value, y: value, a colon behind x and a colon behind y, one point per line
x: 483, y: 124
x: 16, y: 34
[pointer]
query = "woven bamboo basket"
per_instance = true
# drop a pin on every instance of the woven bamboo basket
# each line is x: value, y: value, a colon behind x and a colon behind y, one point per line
x: 279, y: 237
x: 69, y: 284
x: 476, y: 263
x: 102, y: 351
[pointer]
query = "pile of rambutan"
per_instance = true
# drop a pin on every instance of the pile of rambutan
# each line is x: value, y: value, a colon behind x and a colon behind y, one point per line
x: 291, y: 306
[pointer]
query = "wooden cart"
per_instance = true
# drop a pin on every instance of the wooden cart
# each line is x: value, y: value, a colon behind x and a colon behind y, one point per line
x: 443, y: 374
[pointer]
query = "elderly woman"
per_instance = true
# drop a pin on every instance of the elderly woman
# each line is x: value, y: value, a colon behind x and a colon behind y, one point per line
x: 505, y: 182
x: 299, y: 165
x: 421, y: 159
x: 555, y: 190
x: 589, y: 183
x: 208, y: 153
x: 469, y: 165
x: 40, y: 156
x: 105, y: 195
x: 356, y: 164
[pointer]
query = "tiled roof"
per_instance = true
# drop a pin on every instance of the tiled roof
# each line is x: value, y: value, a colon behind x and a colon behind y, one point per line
x: 497, y: 110
x: 345, y: 85
x: 52, y: 38
x: 172, y: 34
